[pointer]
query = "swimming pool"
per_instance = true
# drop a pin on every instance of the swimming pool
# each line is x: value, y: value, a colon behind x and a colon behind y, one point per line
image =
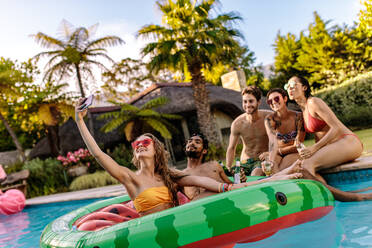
x: 349, y: 225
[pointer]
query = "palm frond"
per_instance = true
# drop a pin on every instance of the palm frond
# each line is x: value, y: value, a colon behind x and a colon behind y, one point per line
x: 113, y: 124
x: 148, y: 113
x: 160, y: 127
x: 154, y: 103
x: 171, y: 116
x: 47, y: 41
x: 106, y: 41
x: 125, y: 107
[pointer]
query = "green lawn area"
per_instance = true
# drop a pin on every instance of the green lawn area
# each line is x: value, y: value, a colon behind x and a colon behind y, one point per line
x: 364, y: 135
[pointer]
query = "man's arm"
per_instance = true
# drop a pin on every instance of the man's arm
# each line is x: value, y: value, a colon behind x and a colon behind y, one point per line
x: 233, y: 141
x: 222, y: 174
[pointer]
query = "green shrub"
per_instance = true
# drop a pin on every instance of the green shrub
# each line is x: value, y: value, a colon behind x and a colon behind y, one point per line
x: 215, y: 153
x: 46, y: 177
x: 13, y: 168
x: 97, y: 179
x: 351, y: 101
x: 123, y: 156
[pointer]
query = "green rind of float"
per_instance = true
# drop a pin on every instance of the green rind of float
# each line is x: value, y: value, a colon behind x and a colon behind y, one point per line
x: 249, y: 178
x: 202, y: 219
x: 70, y: 238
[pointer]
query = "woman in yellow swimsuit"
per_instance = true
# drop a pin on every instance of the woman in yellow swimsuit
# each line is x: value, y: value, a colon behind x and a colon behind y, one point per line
x: 153, y: 187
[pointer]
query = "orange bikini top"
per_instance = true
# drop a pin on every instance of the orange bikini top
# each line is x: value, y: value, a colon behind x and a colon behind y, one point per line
x: 152, y: 197
x: 314, y: 124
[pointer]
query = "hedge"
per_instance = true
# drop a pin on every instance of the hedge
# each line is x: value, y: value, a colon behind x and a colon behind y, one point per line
x: 351, y: 101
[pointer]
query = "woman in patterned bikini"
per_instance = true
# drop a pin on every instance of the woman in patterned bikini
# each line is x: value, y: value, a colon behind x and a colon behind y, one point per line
x: 335, y: 143
x: 283, y: 128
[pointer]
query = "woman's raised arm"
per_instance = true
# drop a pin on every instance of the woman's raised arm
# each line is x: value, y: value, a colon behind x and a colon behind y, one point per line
x: 122, y: 174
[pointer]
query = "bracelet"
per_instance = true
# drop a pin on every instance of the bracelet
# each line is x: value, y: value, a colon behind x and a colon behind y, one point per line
x: 224, y: 189
x: 219, y: 188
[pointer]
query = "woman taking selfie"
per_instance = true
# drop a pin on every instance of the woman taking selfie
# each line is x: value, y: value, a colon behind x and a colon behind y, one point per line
x: 154, y: 186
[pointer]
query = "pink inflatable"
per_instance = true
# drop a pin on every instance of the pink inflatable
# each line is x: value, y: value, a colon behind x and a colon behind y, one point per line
x: 11, y: 202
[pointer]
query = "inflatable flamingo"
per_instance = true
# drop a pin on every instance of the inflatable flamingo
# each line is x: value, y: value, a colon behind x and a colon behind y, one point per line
x: 12, y: 201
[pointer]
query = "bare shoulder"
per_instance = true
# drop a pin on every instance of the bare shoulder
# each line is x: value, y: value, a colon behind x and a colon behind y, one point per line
x: 265, y: 112
x: 269, y: 116
x: 238, y: 122
x: 316, y: 103
x: 239, y: 119
x: 213, y: 166
x: 179, y: 173
x: 315, y: 100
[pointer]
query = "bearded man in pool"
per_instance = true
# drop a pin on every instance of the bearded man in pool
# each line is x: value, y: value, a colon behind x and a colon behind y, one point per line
x: 196, y: 149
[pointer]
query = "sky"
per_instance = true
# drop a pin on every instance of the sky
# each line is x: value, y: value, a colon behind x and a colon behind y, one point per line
x: 262, y: 20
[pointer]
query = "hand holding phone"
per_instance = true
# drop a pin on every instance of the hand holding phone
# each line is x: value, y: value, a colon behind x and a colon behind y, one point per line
x: 87, y: 102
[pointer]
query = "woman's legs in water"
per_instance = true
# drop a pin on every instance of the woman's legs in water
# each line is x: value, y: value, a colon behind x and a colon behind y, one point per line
x: 343, y: 150
x: 339, y: 194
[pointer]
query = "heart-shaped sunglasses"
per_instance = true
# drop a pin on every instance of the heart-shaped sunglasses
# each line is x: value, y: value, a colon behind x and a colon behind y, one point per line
x: 144, y: 142
x: 276, y: 99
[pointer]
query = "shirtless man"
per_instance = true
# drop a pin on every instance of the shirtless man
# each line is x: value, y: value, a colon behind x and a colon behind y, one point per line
x: 196, y: 149
x: 250, y: 128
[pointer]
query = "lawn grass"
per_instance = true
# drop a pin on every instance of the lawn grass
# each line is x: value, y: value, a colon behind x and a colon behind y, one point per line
x: 364, y: 135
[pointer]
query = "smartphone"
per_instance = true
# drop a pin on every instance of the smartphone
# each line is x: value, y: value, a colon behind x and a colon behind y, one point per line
x: 88, y: 101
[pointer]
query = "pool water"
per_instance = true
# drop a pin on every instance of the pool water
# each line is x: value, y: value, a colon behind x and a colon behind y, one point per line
x: 349, y: 225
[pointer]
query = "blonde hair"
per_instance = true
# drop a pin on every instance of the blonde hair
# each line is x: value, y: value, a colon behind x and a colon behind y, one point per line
x: 161, y: 167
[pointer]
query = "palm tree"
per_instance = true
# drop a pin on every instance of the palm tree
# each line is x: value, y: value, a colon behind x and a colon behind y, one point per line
x: 189, y: 41
x: 135, y: 120
x: 75, y: 52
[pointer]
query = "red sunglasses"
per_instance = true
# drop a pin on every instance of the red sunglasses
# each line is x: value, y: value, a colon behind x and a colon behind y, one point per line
x: 144, y: 142
x: 276, y: 99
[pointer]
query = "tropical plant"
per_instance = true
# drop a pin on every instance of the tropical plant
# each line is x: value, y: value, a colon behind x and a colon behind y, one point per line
x: 75, y: 52
x: 46, y: 177
x: 48, y: 105
x: 136, y: 120
x: 12, y: 78
x: 189, y: 41
x: 123, y: 156
x: 97, y: 179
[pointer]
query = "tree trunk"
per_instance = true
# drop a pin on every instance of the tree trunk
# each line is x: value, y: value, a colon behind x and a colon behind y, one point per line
x: 79, y: 80
x: 205, y: 119
x: 53, y: 140
x: 90, y: 117
x: 14, y: 138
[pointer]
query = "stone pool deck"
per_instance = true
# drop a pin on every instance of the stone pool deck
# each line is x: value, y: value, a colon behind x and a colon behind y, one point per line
x: 107, y: 191
x: 364, y: 162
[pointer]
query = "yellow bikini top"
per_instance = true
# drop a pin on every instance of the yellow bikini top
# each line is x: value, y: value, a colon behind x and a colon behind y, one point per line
x: 152, y: 197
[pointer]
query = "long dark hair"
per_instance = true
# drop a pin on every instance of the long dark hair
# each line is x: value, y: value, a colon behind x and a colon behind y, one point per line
x: 161, y: 167
x: 305, y: 83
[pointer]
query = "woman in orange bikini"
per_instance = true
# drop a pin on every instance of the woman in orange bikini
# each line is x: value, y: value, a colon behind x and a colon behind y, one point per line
x: 284, y: 129
x: 153, y: 187
x: 335, y: 143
